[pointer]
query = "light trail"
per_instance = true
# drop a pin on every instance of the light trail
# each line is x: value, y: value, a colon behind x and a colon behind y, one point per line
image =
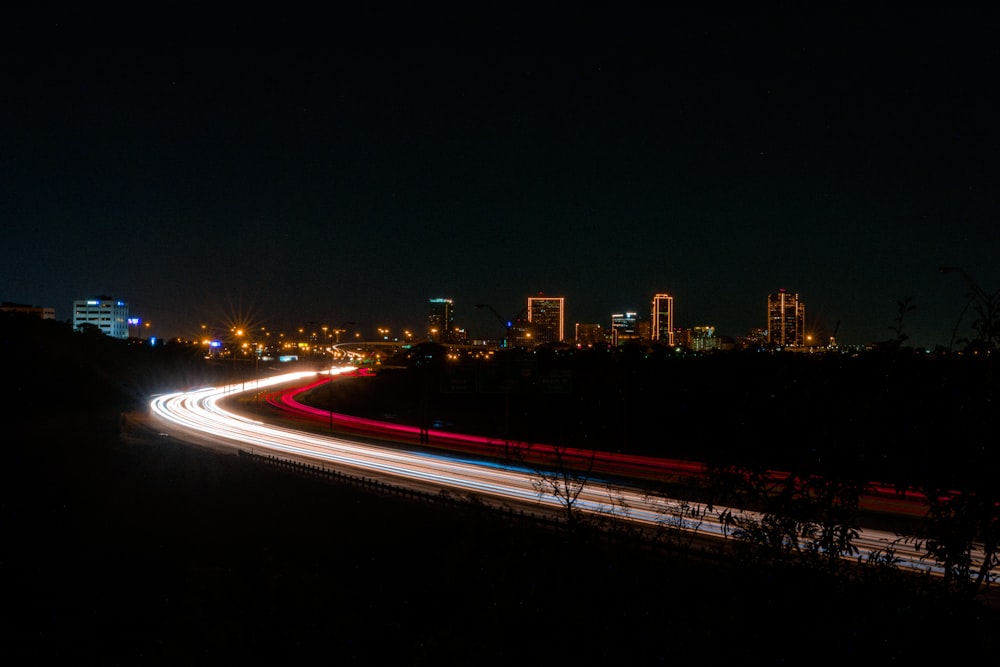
x: 199, y: 411
x: 616, y: 465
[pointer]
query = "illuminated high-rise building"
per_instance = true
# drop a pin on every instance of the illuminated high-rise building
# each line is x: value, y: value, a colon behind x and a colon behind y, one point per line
x: 107, y: 314
x: 786, y: 319
x: 703, y: 338
x: 441, y: 320
x: 547, y: 315
x: 623, y: 327
x: 662, y: 319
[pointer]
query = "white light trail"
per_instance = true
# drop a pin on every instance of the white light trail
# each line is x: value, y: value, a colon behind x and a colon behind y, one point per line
x: 199, y: 410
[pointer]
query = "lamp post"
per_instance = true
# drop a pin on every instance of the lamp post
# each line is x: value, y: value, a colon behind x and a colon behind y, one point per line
x: 339, y: 330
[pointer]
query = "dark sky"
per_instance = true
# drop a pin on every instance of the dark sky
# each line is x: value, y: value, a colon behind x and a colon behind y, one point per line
x: 292, y: 167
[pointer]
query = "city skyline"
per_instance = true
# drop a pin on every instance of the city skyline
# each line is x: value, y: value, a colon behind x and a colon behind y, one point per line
x: 845, y: 156
x: 542, y: 320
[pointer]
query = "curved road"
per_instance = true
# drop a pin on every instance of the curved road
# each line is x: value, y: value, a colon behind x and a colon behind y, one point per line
x: 197, y: 416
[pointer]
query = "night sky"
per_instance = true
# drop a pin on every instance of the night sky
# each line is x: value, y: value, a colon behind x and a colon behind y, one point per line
x: 287, y: 167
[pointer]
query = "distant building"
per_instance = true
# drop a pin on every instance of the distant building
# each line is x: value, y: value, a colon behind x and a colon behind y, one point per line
x: 441, y: 321
x: 547, y: 315
x: 623, y: 328
x: 107, y: 314
x: 682, y: 337
x: 703, y: 339
x: 522, y: 334
x: 589, y: 335
x: 36, y: 311
x: 786, y: 320
x: 643, y: 329
x: 662, y: 320
x: 754, y: 339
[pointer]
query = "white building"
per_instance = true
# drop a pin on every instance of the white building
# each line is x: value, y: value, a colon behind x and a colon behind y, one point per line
x: 107, y: 314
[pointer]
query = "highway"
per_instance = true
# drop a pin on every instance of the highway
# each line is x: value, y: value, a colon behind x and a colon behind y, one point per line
x: 197, y: 416
x: 609, y: 465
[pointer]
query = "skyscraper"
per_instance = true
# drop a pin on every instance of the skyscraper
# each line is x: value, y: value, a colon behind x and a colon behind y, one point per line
x: 786, y: 319
x: 547, y: 316
x: 623, y: 327
x: 441, y: 320
x: 663, y: 319
x: 107, y: 314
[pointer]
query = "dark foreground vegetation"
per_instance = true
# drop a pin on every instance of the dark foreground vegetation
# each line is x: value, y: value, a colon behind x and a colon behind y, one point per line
x: 799, y: 438
x: 141, y: 550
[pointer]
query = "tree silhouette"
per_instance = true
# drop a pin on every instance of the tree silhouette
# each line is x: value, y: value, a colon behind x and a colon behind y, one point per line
x: 564, y: 481
x: 905, y: 306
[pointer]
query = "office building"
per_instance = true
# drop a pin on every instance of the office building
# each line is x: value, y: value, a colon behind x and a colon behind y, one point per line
x: 24, y: 309
x: 786, y: 320
x: 589, y: 335
x: 547, y: 315
x: 662, y: 320
x: 703, y: 339
x: 521, y: 333
x: 623, y: 327
x: 109, y: 315
x: 683, y: 337
x: 441, y: 321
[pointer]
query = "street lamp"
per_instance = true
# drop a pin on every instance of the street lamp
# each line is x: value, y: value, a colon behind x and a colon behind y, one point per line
x: 341, y: 329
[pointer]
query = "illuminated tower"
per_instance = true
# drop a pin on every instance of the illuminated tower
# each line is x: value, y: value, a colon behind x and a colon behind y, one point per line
x: 547, y: 315
x: 107, y: 314
x: 441, y: 320
x: 786, y: 319
x: 663, y: 319
x: 623, y: 327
